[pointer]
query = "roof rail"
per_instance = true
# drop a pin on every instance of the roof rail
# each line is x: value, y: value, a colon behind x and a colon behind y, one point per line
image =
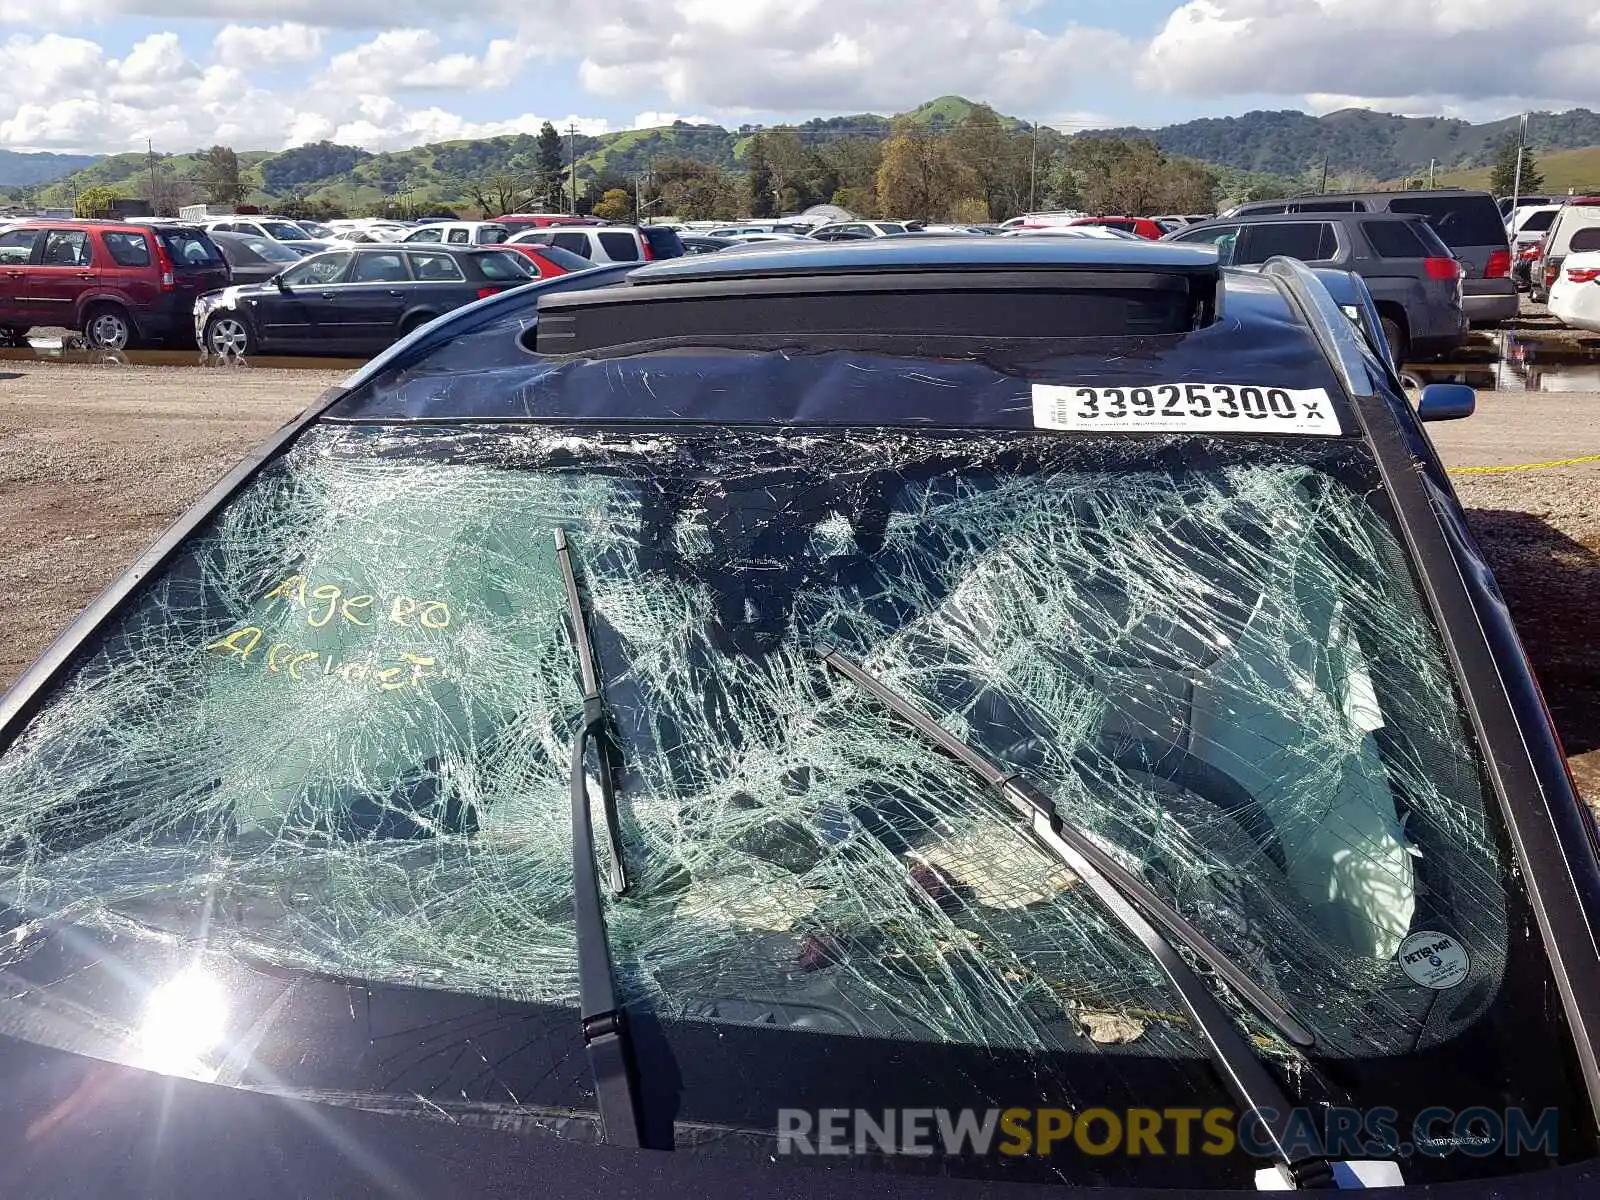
x: 1333, y: 331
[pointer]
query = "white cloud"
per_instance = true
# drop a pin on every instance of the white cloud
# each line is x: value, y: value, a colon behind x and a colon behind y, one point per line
x: 1419, y: 54
x: 67, y: 94
x: 251, y: 46
x: 654, y: 120
x: 413, y: 65
x: 794, y: 57
x: 410, y: 59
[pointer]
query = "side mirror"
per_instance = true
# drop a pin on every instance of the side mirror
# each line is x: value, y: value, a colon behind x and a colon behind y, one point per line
x: 1446, y: 402
x: 279, y: 280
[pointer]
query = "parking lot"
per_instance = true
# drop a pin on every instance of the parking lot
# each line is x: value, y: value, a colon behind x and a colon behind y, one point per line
x: 96, y: 460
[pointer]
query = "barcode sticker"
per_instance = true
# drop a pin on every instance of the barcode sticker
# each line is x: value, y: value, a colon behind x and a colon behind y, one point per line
x: 1185, y: 408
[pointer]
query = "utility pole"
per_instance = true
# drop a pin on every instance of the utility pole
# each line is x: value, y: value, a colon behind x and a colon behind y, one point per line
x: 572, y: 163
x: 155, y: 204
x: 1033, y: 171
x: 1516, y: 179
x: 1431, y: 163
x: 1323, y: 190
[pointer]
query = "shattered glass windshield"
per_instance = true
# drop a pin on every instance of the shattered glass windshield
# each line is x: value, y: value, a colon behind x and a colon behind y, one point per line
x: 334, y: 733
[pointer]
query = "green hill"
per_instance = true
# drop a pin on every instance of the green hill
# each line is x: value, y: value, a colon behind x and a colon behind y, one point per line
x: 26, y: 170
x: 1385, y: 146
x: 1578, y: 170
x: 1353, y: 142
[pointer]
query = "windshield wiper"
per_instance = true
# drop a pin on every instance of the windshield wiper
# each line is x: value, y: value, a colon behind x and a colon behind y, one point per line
x: 607, y: 1039
x: 1131, y: 902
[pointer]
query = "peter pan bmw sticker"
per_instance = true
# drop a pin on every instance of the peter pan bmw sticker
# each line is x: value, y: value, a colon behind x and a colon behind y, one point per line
x: 1185, y: 408
x: 1435, y: 960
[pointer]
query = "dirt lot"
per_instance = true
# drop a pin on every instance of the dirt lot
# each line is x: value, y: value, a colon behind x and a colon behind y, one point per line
x: 97, y: 460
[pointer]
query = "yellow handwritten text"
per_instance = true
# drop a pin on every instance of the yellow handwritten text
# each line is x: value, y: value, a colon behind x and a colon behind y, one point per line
x: 327, y: 601
x: 301, y: 665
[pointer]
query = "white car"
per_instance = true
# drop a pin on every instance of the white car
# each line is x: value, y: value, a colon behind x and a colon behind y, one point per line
x: 1575, y: 295
x: 1530, y: 223
x: 1073, y: 231
x: 1062, y: 217
x: 851, y: 231
x: 609, y: 243
x: 372, y: 233
x: 460, y: 233
x: 275, y: 229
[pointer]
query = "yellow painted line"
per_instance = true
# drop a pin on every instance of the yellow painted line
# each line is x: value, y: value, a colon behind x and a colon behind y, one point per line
x: 1539, y: 466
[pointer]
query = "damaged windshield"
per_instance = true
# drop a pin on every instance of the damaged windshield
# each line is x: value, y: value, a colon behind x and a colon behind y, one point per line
x: 334, y: 733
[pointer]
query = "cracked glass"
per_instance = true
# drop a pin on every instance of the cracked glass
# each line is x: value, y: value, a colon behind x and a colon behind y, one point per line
x: 335, y: 732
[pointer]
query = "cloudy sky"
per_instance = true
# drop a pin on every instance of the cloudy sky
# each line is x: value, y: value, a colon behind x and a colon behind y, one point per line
x: 104, y: 75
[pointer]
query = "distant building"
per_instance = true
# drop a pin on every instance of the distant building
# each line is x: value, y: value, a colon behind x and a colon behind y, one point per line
x: 124, y: 208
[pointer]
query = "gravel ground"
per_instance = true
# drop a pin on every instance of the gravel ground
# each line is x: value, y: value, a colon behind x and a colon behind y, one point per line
x: 1541, y: 533
x: 95, y: 461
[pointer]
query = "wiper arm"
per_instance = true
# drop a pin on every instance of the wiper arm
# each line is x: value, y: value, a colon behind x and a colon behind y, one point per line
x: 607, y: 1040
x: 1131, y: 902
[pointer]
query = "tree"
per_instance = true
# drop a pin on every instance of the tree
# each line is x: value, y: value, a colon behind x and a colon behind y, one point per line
x: 498, y: 193
x: 997, y: 157
x: 694, y: 190
x: 96, y: 201
x: 797, y: 170
x: 1133, y: 177
x: 551, y: 169
x: 922, y: 178
x: 758, y: 178
x: 615, y: 205
x: 309, y: 164
x: 219, y: 176
x: 1503, y: 176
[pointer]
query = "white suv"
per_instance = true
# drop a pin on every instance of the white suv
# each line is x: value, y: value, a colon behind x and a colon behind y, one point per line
x: 274, y: 229
x: 609, y: 243
x: 461, y: 233
x: 855, y: 231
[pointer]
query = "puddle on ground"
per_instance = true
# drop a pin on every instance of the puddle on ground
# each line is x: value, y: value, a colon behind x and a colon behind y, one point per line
x: 1508, y: 362
x: 45, y: 352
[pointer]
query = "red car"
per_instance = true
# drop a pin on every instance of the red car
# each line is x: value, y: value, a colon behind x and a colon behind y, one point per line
x: 520, y: 222
x: 548, y: 261
x: 120, y: 283
x: 1138, y: 226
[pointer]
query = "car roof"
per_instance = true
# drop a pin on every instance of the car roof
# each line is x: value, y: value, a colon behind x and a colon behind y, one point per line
x: 104, y: 225
x: 1382, y: 193
x: 936, y: 252
x: 1282, y: 218
x: 730, y: 361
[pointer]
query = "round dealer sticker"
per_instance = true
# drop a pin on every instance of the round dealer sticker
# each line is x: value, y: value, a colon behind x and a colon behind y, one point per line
x: 1435, y: 960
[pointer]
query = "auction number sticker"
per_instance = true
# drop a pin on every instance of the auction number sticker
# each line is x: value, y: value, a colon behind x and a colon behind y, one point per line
x: 1185, y: 408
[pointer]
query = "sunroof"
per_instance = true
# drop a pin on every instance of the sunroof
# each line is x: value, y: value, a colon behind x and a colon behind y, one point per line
x: 833, y: 311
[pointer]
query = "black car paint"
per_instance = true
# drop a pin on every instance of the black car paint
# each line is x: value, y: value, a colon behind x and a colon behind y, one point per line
x: 359, y: 318
x: 89, y: 1127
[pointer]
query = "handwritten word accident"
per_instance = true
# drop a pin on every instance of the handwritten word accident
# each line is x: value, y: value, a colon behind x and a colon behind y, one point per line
x: 324, y: 604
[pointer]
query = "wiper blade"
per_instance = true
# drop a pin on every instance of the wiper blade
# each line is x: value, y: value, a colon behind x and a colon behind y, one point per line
x: 607, y: 1039
x: 1136, y: 907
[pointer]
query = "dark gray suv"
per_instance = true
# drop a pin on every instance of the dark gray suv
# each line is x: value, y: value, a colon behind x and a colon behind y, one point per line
x: 1415, y: 282
x: 1469, y: 222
